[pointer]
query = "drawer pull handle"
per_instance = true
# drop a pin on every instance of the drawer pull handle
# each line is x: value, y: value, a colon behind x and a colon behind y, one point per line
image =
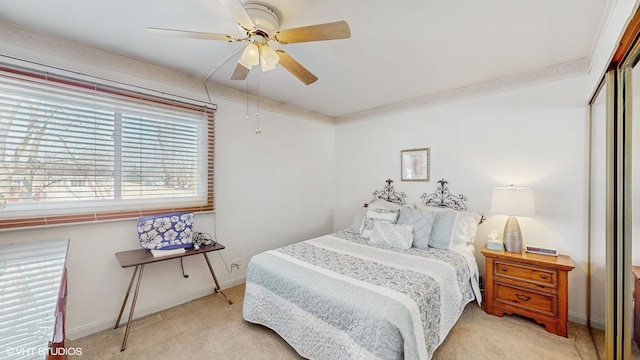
x: 504, y: 268
x: 544, y: 276
x: 523, y: 297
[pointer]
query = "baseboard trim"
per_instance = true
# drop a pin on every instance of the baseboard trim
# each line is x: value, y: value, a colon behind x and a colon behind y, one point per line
x: 581, y: 319
x: 597, y: 324
x: 577, y: 318
x: 141, y: 311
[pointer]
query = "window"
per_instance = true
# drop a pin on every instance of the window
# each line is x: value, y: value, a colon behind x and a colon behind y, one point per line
x: 73, y: 151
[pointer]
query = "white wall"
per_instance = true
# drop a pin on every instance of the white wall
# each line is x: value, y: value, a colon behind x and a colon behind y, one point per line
x: 535, y: 136
x: 271, y: 189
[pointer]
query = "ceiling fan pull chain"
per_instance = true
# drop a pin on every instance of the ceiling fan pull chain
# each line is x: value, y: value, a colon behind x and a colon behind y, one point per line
x: 258, y: 129
x: 247, y: 92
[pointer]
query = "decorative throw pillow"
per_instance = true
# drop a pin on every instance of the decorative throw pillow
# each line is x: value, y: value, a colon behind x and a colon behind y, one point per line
x: 166, y: 231
x: 442, y: 229
x: 377, y: 214
x: 422, y: 222
x: 397, y: 236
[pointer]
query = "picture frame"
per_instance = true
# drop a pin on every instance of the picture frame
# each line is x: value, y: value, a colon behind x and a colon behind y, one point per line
x: 415, y: 164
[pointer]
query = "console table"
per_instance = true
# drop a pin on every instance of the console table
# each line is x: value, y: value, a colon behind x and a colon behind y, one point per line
x: 139, y: 258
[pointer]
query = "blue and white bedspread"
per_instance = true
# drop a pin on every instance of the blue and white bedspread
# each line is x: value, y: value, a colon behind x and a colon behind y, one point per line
x: 336, y: 297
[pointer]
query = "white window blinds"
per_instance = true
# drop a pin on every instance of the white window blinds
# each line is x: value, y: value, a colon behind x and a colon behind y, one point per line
x: 30, y: 279
x: 66, y: 146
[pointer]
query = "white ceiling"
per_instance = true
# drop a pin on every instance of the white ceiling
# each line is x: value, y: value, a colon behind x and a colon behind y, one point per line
x: 399, y: 50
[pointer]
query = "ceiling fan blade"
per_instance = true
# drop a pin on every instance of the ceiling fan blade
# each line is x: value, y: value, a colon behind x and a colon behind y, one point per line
x: 191, y: 34
x: 239, y: 13
x: 328, y: 31
x: 240, y: 72
x: 295, y: 68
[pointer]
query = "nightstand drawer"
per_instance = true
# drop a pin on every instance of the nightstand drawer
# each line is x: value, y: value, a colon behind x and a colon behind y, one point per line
x: 539, y: 276
x: 528, y: 300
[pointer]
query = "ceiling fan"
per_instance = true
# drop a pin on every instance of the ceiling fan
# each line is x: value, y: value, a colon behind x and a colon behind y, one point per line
x: 261, y: 24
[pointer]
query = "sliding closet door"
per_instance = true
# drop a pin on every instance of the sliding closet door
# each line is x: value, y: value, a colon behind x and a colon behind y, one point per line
x: 622, y: 195
x: 635, y: 173
x: 597, y: 213
x: 632, y: 247
x: 610, y: 215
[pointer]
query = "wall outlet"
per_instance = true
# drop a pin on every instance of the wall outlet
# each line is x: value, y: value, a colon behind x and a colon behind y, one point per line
x: 237, y: 263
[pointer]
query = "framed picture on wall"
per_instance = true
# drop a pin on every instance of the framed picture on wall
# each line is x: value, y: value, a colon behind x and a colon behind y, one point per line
x: 415, y: 164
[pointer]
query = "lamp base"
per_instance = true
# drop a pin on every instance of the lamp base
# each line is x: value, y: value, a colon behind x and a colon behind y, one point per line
x: 512, y: 236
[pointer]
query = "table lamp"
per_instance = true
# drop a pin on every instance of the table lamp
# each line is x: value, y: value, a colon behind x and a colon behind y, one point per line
x: 512, y: 201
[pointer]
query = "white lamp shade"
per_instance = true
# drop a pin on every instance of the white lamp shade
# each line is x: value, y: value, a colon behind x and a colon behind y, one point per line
x: 268, y: 55
x: 265, y: 65
x: 512, y: 201
x: 251, y: 55
x: 241, y: 62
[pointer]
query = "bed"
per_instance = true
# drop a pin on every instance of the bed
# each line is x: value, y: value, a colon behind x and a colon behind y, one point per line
x: 350, y: 295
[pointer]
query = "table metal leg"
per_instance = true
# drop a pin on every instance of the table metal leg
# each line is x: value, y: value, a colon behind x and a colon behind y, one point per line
x: 126, y: 297
x: 133, y: 307
x: 215, y: 279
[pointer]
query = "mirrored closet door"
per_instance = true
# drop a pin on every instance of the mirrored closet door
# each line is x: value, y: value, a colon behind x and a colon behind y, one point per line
x: 597, y: 217
x: 634, y: 198
x: 614, y: 193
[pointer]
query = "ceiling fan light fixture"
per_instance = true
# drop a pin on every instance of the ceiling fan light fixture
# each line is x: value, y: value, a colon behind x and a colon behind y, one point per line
x: 268, y: 55
x: 265, y: 65
x: 241, y: 62
x: 250, y: 55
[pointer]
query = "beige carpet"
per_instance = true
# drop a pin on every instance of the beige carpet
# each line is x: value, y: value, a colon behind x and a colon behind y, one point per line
x: 209, y: 328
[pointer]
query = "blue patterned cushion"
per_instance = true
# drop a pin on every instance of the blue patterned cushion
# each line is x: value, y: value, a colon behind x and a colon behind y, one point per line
x: 422, y: 222
x: 397, y: 236
x: 167, y: 231
x: 377, y: 214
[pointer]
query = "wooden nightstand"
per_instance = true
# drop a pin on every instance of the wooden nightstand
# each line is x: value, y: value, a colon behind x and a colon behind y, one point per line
x: 530, y: 285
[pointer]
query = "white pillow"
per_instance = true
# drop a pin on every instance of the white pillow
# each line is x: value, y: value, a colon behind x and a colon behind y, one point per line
x: 396, y: 236
x: 377, y: 214
x: 465, y: 226
x: 356, y: 225
x: 385, y: 204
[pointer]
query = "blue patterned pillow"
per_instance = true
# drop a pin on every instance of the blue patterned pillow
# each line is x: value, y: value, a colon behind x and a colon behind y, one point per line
x: 377, y: 214
x: 422, y: 222
x: 167, y: 231
x: 397, y: 236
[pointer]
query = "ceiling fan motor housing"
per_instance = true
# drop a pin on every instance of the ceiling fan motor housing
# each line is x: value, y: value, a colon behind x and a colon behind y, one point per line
x: 265, y: 18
